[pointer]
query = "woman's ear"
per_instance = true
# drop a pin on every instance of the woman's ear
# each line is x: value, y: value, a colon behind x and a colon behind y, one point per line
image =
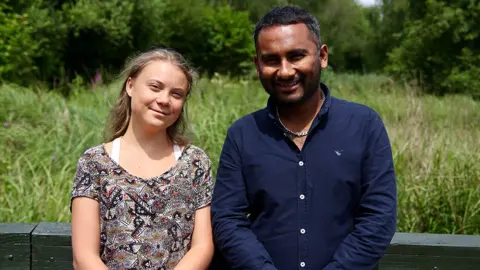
x: 129, y: 86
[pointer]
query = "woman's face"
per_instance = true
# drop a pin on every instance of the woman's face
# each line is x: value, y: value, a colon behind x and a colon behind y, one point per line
x: 157, y: 95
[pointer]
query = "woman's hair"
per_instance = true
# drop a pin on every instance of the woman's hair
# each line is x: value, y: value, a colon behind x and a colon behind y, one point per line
x: 121, y: 113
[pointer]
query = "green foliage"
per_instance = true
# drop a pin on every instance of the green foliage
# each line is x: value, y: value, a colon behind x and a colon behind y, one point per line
x: 214, y: 38
x: 58, y: 41
x: 389, y: 24
x: 110, y: 18
x: 50, y: 36
x: 433, y: 43
x: 169, y: 23
x: 228, y: 34
x: 17, y: 46
x: 98, y: 39
x: 439, y: 47
x: 347, y: 32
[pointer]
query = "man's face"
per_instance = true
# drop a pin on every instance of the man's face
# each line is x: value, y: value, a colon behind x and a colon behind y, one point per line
x: 289, y: 63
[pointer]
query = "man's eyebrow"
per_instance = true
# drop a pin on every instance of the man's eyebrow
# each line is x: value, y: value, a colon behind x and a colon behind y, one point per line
x: 268, y: 55
x: 294, y: 51
x: 297, y: 51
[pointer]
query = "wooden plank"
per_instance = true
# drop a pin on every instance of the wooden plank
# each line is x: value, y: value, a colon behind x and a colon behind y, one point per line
x: 415, y: 251
x: 52, y: 234
x: 429, y: 239
x: 15, y: 247
x: 52, y: 257
x: 51, y: 246
x: 15, y: 233
x: 442, y: 245
x: 52, y: 253
x: 414, y: 262
x: 43, y: 265
x: 15, y: 257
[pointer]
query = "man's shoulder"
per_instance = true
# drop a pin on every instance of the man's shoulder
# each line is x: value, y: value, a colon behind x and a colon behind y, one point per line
x: 352, y: 108
x: 248, y: 121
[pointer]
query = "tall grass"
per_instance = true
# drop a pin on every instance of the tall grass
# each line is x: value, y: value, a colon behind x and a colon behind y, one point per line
x: 436, y: 145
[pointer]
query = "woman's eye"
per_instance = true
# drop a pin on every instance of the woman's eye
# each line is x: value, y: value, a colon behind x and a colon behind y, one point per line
x: 177, y: 95
x: 154, y: 87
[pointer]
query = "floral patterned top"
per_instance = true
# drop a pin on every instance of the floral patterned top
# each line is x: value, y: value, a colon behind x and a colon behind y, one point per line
x: 145, y: 223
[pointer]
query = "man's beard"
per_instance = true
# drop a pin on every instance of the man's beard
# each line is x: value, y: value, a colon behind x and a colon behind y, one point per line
x: 309, y: 88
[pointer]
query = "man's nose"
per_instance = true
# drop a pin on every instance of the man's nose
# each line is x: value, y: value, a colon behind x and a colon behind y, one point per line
x: 286, y: 70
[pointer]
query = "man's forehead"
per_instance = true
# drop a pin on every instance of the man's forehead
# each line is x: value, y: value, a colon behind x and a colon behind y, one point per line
x: 284, y: 30
x: 285, y: 37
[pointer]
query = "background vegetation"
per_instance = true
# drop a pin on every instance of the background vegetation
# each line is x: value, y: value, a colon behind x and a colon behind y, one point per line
x: 414, y: 62
x: 433, y: 44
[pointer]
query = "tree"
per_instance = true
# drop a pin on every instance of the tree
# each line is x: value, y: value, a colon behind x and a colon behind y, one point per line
x: 440, y: 47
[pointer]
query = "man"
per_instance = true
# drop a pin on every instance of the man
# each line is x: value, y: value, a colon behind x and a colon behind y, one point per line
x: 307, y: 182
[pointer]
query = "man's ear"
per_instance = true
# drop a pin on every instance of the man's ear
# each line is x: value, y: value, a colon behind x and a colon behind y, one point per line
x: 323, y: 56
x: 257, y: 68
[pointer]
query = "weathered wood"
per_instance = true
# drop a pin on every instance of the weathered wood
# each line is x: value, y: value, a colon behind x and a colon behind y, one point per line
x: 419, y: 262
x: 15, y: 247
x: 51, y: 246
x: 48, y: 246
x: 432, y: 251
x: 52, y: 234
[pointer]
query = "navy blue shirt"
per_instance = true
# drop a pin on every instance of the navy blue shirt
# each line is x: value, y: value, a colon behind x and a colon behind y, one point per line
x: 331, y: 205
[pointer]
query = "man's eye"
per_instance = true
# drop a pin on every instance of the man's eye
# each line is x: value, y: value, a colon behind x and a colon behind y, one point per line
x: 270, y: 60
x: 297, y: 57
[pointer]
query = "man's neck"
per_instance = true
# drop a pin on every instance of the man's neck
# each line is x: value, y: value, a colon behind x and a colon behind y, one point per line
x: 299, y: 117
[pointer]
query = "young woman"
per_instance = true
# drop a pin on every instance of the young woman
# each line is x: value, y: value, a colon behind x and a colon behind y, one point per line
x: 141, y: 200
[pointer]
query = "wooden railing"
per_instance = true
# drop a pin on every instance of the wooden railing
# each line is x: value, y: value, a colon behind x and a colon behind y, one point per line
x: 48, y: 246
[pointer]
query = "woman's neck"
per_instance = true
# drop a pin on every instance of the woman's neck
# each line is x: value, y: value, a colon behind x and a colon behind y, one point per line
x: 152, y: 142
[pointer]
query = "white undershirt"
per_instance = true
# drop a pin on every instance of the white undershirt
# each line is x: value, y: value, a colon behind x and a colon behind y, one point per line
x: 116, y: 150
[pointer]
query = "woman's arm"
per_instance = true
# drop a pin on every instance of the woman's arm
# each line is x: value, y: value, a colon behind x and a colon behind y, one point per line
x: 86, y: 234
x: 200, y: 254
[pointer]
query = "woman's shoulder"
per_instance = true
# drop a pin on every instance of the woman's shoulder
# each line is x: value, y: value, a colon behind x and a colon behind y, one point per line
x: 197, y: 153
x: 92, y: 153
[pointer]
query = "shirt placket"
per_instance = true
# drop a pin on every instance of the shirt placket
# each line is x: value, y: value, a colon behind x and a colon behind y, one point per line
x: 302, y: 200
x: 302, y: 212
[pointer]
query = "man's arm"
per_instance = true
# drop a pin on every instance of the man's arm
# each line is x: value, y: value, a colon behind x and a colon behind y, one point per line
x: 375, y: 221
x: 231, y: 227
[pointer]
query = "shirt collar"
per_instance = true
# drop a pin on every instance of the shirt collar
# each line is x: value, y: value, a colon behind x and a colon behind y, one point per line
x: 325, y: 106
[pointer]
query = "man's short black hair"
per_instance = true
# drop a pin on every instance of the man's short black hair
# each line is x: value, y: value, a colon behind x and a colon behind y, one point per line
x: 285, y: 16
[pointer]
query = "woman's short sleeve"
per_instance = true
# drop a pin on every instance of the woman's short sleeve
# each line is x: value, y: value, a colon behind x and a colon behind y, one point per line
x: 84, y: 182
x: 204, y: 184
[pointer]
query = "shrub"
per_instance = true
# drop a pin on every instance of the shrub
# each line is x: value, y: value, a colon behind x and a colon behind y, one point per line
x: 17, y: 47
x: 60, y: 41
x: 440, y: 48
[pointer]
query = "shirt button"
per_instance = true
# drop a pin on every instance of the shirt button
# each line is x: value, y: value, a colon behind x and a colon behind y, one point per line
x: 302, y: 264
x: 302, y: 231
x: 300, y: 163
x: 302, y: 197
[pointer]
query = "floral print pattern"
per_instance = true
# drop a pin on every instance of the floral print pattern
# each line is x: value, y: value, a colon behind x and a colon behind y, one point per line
x: 145, y: 223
